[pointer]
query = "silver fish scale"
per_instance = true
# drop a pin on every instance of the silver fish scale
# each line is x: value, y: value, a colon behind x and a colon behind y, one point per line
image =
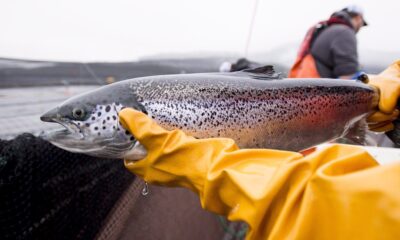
x: 280, y: 114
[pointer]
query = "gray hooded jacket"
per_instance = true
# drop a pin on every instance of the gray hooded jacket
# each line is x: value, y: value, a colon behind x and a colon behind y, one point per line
x: 335, y: 50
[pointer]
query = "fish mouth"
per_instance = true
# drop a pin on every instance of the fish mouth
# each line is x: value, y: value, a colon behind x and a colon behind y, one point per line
x: 71, y: 139
x: 46, y: 118
x: 68, y: 129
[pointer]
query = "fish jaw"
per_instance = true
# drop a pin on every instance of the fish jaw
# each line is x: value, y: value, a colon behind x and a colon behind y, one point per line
x: 74, y: 141
x: 101, y: 135
x: 71, y: 138
x: 70, y: 131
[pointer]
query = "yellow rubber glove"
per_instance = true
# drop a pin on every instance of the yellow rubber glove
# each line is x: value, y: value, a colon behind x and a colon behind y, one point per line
x: 337, y: 193
x: 388, y: 83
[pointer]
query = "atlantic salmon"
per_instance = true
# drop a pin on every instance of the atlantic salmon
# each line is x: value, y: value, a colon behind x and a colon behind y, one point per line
x: 256, y: 108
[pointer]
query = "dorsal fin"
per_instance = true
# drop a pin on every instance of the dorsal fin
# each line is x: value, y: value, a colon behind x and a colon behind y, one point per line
x: 264, y: 72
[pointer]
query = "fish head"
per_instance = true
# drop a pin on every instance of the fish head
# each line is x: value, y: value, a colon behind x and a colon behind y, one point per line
x: 91, y: 125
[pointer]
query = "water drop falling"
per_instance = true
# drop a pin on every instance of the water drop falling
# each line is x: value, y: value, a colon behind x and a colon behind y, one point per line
x: 145, y: 190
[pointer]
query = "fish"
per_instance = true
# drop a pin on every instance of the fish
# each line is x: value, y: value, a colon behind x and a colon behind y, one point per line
x: 257, y: 108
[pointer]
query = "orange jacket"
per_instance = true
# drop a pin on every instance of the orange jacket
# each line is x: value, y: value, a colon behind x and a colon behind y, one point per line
x: 304, y: 67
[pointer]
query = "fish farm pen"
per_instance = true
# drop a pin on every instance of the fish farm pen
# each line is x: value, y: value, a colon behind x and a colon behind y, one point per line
x: 49, y: 193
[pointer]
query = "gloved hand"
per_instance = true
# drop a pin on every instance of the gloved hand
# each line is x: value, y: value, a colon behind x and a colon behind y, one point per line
x: 279, y: 194
x: 388, y: 83
x: 180, y: 151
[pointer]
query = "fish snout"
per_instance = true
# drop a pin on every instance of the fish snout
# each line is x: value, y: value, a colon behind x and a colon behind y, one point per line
x: 50, y: 115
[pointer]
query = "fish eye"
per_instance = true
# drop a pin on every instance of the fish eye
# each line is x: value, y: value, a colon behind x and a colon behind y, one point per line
x: 78, y: 113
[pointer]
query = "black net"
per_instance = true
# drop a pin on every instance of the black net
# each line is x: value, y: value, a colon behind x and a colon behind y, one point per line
x: 48, y: 193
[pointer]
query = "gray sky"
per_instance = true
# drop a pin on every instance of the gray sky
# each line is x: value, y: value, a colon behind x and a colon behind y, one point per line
x: 118, y: 30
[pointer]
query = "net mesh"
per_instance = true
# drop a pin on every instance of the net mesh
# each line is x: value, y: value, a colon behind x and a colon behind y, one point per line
x: 48, y: 193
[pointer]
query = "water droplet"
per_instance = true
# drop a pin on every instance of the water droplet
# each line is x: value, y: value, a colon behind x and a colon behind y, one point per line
x: 145, y: 190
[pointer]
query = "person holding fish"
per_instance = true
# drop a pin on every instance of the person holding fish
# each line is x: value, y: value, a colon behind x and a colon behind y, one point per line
x: 329, y: 49
x: 339, y: 192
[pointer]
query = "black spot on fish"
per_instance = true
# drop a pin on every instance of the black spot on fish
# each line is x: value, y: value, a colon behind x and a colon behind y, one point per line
x: 79, y: 123
x: 101, y: 107
x: 99, y: 133
x: 113, y: 127
x: 127, y: 132
x: 93, y: 118
x: 108, y: 108
x: 96, y: 128
x: 108, y: 118
x: 87, y: 124
x: 99, y: 114
x: 114, y: 117
x: 104, y: 121
x: 104, y: 127
x: 132, y: 138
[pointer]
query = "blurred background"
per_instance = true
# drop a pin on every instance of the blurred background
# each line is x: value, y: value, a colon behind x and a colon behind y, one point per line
x: 134, y: 30
x: 64, y: 44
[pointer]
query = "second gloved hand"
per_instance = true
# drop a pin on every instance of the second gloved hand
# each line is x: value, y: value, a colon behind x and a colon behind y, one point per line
x: 388, y: 83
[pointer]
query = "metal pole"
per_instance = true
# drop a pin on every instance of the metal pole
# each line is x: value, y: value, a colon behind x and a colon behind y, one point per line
x: 253, y: 17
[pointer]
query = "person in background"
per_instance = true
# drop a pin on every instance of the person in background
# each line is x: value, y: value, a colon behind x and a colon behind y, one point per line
x: 329, y: 49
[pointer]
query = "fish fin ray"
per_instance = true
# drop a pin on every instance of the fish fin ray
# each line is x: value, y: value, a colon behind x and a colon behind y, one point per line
x: 357, y: 134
